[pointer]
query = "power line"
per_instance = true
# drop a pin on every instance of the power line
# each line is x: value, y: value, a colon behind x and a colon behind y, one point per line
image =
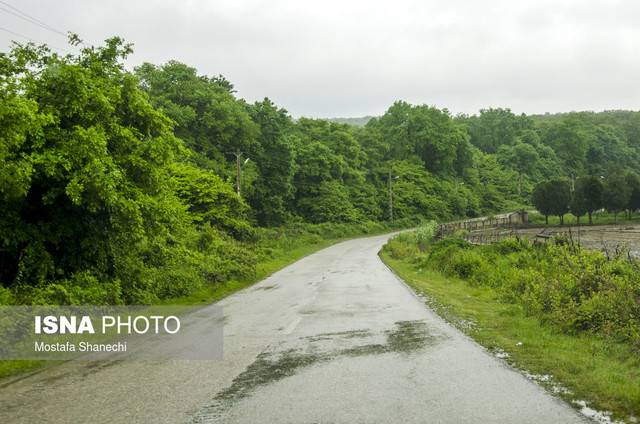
x: 26, y: 17
x: 25, y: 14
x: 32, y: 40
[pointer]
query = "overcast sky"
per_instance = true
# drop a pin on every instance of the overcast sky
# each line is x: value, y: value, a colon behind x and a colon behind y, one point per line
x: 353, y: 58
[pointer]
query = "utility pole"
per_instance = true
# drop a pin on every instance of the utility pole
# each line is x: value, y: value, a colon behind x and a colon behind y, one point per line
x: 238, y: 155
x: 390, y: 182
x: 573, y: 182
x: 390, y: 197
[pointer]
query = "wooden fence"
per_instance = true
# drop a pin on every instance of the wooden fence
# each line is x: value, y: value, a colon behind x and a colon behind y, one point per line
x: 483, y: 223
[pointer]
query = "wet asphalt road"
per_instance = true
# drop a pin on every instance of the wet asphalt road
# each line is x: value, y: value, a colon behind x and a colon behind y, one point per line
x: 333, y: 338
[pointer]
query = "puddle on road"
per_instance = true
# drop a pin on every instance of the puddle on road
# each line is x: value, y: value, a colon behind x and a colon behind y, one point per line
x: 404, y: 338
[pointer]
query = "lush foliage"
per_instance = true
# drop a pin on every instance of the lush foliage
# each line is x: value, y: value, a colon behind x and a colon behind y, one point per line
x: 619, y: 192
x: 545, y: 147
x: 121, y: 186
x: 100, y: 202
x: 599, y: 365
x: 573, y: 289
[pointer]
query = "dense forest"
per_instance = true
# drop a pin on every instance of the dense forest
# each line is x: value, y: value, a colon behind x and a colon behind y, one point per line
x: 133, y: 186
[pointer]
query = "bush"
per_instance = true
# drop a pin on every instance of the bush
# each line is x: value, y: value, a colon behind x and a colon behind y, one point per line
x: 398, y: 248
x: 465, y: 264
x: 573, y: 289
x: 425, y: 233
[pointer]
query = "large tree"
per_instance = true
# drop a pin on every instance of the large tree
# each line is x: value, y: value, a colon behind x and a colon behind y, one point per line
x: 91, y: 158
x: 207, y: 116
x: 274, y: 158
x: 521, y: 157
x: 496, y: 127
x: 616, y: 194
x: 99, y: 202
x: 587, y: 196
x: 633, y: 181
x: 552, y: 198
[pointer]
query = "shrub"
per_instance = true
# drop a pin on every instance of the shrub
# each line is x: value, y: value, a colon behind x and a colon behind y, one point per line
x: 464, y: 264
x: 573, y: 289
x: 425, y: 233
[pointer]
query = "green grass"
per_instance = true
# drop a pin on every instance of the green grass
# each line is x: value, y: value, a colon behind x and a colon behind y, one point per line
x: 281, y: 257
x: 604, y: 373
x: 211, y: 294
x: 602, y: 218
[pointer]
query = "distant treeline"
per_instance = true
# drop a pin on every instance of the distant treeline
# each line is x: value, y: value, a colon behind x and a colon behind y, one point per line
x: 123, y: 183
x: 360, y: 122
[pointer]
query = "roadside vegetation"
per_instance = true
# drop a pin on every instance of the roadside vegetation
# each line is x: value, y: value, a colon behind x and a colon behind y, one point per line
x: 140, y: 186
x: 275, y: 250
x: 551, y: 309
x: 617, y: 193
x: 599, y: 218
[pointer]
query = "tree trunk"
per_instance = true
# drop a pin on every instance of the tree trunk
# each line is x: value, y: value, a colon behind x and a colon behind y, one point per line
x: 561, y: 219
x: 590, y: 220
x: 546, y: 219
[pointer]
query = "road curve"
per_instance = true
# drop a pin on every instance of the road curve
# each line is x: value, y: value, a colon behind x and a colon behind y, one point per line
x: 332, y: 338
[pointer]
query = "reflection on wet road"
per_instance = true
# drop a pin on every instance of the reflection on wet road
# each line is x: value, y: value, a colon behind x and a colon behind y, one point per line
x: 271, y: 366
x: 333, y: 338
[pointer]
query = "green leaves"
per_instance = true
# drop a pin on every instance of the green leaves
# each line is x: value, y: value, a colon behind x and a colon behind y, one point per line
x: 552, y: 197
x: 91, y: 188
x: 126, y: 180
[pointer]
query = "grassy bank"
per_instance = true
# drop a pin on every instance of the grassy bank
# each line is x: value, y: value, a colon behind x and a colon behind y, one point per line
x: 583, y: 365
x: 275, y: 248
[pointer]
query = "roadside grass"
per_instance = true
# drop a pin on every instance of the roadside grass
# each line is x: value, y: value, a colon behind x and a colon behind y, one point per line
x: 280, y: 256
x: 603, y: 373
x: 214, y: 293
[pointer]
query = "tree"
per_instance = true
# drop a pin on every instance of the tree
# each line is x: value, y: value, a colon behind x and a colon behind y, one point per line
x: 495, y: 127
x: 579, y: 201
x: 274, y: 157
x: 330, y: 203
x: 425, y: 132
x: 521, y: 157
x: 588, y: 195
x: 560, y: 197
x: 208, y: 118
x: 633, y: 181
x: 436, y: 139
x: 100, y: 202
x: 552, y: 198
x: 569, y: 137
x: 211, y: 200
x: 616, y: 193
x: 93, y: 193
x: 541, y: 200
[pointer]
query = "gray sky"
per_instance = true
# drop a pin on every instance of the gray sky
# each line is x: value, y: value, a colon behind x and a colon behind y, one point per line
x: 352, y: 58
